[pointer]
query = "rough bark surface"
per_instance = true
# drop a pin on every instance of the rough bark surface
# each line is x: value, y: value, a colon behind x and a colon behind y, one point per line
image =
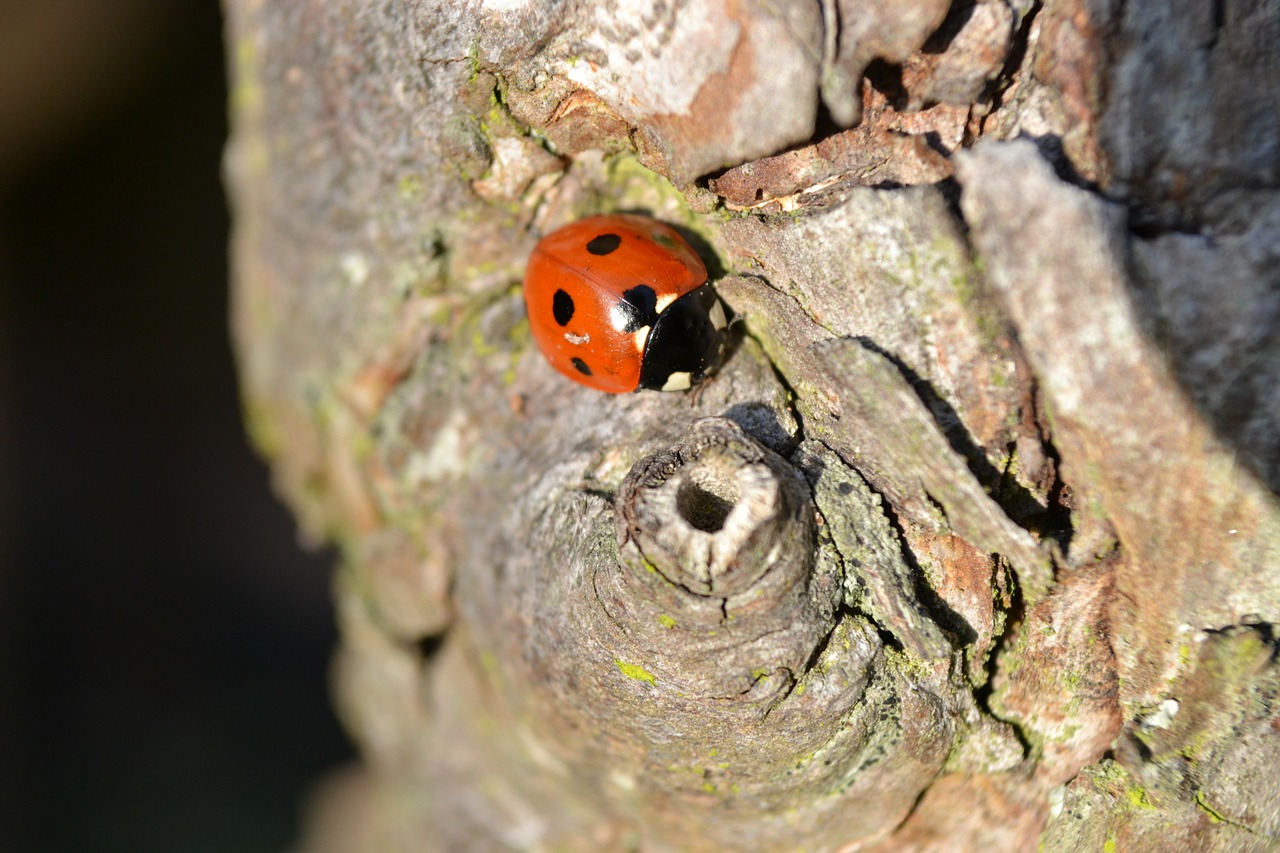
x: 973, y: 543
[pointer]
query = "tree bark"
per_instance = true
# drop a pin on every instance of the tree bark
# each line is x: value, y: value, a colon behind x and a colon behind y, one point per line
x: 972, y: 543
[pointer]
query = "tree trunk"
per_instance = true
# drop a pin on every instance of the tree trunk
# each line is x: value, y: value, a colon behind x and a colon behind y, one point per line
x: 972, y: 543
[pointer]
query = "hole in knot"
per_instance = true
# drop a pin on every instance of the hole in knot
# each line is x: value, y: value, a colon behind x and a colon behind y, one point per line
x: 705, y: 500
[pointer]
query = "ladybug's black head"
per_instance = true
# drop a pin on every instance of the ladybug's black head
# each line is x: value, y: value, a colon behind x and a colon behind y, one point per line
x: 686, y: 343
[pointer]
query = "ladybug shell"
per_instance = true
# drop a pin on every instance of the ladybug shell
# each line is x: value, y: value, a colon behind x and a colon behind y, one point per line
x: 600, y: 294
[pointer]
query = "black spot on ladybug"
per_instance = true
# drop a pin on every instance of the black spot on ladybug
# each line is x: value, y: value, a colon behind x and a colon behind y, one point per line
x: 582, y: 367
x: 604, y: 244
x: 639, y: 308
x: 562, y: 307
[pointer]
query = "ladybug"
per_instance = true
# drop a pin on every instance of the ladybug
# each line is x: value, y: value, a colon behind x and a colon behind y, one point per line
x: 621, y: 302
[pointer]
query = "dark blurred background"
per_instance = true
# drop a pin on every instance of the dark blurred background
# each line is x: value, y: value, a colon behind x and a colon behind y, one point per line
x: 163, y: 638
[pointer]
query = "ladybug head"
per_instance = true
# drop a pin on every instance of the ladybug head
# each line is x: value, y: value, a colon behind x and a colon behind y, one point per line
x: 687, y: 342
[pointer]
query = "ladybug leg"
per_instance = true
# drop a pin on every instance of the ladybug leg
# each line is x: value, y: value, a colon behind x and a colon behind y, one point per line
x: 695, y: 396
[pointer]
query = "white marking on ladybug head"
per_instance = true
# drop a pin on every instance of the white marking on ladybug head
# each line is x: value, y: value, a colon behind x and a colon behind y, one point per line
x: 678, y: 381
x: 663, y: 301
x: 641, y: 337
x: 577, y: 340
x: 717, y: 318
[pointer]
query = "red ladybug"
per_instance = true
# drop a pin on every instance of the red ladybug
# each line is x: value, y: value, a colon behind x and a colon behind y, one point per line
x: 621, y: 302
